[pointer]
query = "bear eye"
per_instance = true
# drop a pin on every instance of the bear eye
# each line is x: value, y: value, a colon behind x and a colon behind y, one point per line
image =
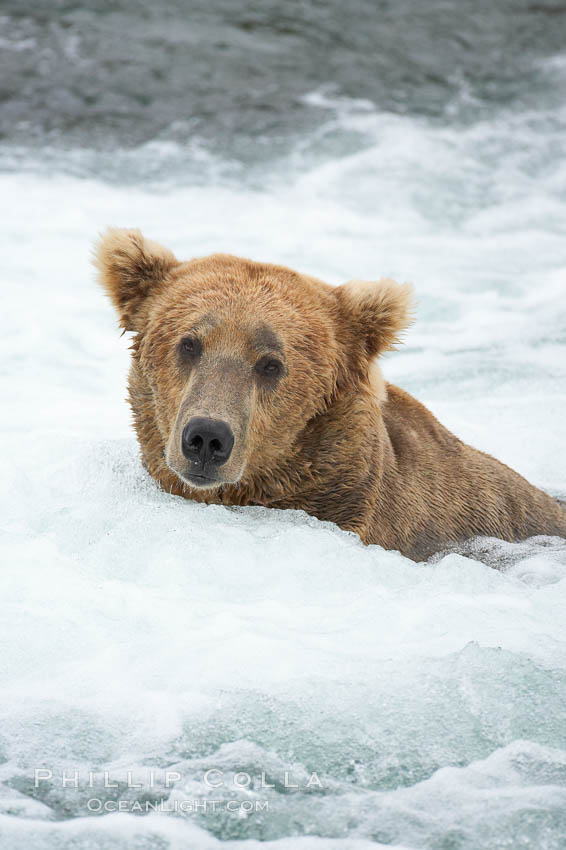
x: 189, y: 347
x: 269, y: 367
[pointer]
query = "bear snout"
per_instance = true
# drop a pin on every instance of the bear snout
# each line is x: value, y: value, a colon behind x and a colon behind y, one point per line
x: 206, y: 444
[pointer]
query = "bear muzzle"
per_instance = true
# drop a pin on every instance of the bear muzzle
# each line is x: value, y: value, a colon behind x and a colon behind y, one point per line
x: 206, y: 444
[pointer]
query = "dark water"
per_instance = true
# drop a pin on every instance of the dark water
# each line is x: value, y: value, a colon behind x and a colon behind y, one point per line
x: 235, y: 74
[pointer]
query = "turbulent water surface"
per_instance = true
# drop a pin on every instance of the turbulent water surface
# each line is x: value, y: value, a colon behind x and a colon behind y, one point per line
x: 343, y: 696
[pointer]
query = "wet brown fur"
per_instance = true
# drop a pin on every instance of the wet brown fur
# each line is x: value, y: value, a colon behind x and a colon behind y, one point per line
x: 331, y: 437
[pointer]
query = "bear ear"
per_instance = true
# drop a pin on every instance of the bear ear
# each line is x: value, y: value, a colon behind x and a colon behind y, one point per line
x: 374, y: 313
x: 129, y: 268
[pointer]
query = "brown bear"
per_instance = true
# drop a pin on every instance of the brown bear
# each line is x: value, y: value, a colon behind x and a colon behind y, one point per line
x: 254, y: 384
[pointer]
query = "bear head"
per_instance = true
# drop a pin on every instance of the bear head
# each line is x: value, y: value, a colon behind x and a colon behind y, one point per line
x: 232, y: 358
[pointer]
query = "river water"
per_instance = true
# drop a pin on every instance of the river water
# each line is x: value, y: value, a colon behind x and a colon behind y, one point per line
x: 143, y: 634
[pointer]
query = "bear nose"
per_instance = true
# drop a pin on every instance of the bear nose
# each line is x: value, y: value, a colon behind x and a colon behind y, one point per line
x: 209, y: 441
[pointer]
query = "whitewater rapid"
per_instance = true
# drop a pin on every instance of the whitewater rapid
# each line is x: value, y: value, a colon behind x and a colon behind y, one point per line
x: 141, y: 632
